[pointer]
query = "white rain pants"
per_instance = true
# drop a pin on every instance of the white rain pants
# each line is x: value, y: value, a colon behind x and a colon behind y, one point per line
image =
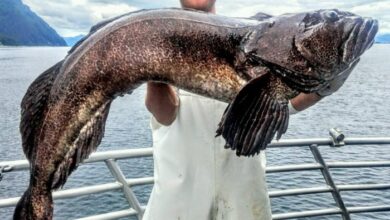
x: 195, y: 177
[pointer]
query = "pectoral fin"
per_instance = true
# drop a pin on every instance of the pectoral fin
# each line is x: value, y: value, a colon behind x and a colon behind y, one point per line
x: 258, y: 112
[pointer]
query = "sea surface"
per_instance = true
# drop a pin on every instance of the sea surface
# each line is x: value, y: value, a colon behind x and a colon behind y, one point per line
x: 360, y: 108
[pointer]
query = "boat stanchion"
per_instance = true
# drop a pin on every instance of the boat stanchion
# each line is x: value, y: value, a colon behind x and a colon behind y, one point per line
x: 4, y: 169
x: 337, y: 137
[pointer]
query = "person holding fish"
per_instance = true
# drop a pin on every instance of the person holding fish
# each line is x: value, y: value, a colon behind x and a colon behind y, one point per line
x: 240, y: 61
x: 195, y: 177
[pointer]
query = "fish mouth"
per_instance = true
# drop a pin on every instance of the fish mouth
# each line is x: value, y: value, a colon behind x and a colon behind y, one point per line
x: 360, y: 38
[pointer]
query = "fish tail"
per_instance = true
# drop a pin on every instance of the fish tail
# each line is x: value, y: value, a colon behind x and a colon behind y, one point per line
x: 34, y: 205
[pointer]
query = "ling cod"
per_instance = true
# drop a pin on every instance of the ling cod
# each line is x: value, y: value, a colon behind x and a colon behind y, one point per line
x: 255, y: 64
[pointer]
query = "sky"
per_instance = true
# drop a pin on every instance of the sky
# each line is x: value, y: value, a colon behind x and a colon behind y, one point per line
x: 74, y: 17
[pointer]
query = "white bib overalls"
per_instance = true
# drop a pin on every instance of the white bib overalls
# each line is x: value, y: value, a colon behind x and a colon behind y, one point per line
x: 195, y: 177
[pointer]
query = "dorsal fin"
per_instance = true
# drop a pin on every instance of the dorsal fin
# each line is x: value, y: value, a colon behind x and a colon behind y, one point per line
x: 33, y: 107
x: 99, y: 26
x: 103, y: 23
x: 260, y: 16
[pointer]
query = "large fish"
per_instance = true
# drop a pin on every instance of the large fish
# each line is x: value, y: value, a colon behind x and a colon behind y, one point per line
x: 256, y: 65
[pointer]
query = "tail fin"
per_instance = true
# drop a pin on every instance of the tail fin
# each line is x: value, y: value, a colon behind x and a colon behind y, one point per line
x: 33, y: 107
x: 32, y: 207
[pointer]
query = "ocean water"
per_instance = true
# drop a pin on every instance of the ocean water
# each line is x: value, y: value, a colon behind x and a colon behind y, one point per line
x: 360, y: 108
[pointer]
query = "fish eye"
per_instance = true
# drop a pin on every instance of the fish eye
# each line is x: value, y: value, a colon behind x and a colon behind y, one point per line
x: 311, y: 19
x: 331, y: 16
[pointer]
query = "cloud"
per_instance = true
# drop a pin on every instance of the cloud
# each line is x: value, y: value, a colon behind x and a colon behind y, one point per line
x: 72, y: 17
x: 369, y: 8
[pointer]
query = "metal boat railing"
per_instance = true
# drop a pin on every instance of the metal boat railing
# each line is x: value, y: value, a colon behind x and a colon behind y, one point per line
x: 336, y: 139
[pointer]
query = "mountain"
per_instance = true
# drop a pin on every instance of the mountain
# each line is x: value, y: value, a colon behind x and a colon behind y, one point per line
x: 70, y: 41
x: 20, y: 26
x: 383, y: 39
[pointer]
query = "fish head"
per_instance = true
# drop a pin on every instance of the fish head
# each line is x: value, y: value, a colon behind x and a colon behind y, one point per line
x: 333, y: 40
x: 310, y: 49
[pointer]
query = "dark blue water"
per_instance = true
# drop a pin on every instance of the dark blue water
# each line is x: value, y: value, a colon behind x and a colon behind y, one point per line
x: 361, y: 107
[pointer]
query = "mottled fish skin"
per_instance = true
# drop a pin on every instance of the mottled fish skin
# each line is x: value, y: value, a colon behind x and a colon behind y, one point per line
x: 210, y: 55
x: 309, y: 49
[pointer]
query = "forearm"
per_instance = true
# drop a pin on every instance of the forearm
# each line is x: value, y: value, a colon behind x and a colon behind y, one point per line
x: 161, y: 100
x: 304, y: 101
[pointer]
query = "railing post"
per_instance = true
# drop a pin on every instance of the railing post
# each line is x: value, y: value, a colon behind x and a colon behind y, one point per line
x: 128, y: 192
x: 4, y: 169
x: 329, y: 180
x: 337, y: 137
x: 1, y: 173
